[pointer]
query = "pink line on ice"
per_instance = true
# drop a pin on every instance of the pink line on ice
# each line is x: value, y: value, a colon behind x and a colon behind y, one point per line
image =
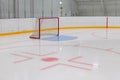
x: 23, y: 60
x: 67, y: 65
x: 39, y: 54
x: 73, y: 60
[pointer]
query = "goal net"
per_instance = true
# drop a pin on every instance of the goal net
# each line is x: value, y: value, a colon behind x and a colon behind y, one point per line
x: 45, y: 27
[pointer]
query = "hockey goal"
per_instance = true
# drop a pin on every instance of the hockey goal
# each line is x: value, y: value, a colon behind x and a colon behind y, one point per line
x: 45, y: 27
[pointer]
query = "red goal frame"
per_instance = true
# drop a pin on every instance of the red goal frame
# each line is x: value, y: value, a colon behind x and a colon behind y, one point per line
x: 39, y: 29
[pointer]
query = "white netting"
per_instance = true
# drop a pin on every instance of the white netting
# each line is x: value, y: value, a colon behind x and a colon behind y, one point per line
x: 46, y: 27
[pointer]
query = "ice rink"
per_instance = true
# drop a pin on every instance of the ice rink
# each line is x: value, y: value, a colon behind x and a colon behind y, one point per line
x: 93, y: 55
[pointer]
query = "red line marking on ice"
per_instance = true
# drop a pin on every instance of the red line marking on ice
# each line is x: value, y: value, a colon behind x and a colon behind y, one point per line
x: 67, y: 65
x: 77, y: 45
x: 93, y: 48
x: 111, y: 51
x: 73, y: 60
x: 63, y: 45
x: 13, y: 47
x: 23, y: 60
x: 39, y: 54
x: 114, y: 52
x: 93, y: 34
x: 49, y: 66
x: 13, y: 42
x: 75, y: 66
x: 17, y: 47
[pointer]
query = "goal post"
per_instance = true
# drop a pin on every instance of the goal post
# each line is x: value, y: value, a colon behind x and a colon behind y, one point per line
x: 45, y: 27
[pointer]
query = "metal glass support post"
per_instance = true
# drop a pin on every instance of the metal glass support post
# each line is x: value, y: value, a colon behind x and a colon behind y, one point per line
x: 61, y: 8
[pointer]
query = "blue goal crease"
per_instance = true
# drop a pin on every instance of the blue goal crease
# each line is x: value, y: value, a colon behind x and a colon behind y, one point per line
x: 59, y: 38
